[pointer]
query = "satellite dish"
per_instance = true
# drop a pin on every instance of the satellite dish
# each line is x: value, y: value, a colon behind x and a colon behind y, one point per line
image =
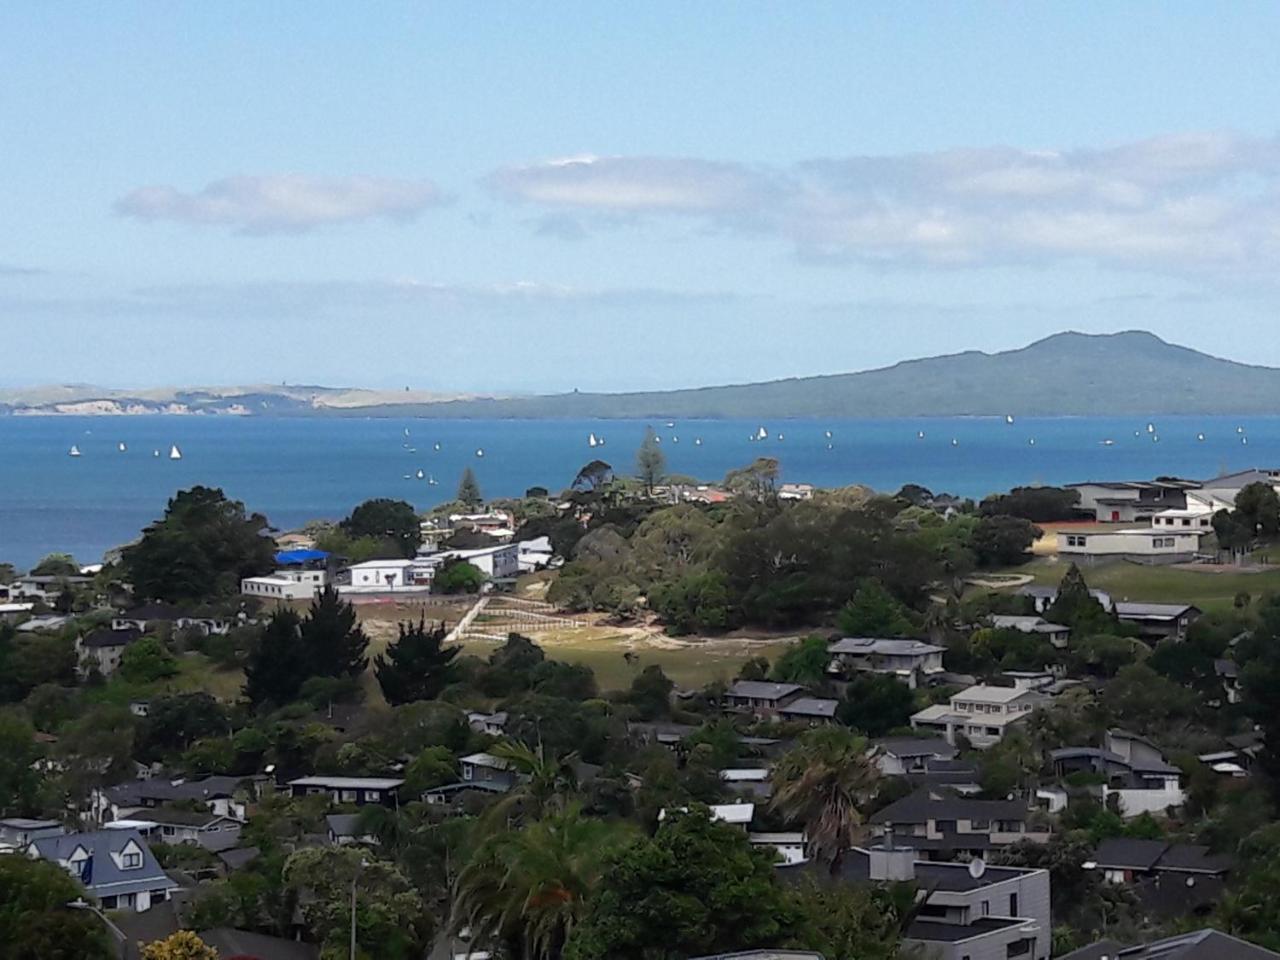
x: 977, y: 867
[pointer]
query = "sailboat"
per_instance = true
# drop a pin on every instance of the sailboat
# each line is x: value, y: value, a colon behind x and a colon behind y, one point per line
x: 779, y: 436
x: 1151, y: 428
x: 1239, y: 429
x: 123, y: 448
x: 1032, y: 441
x: 828, y: 434
x: 592, y: 441
x: 479, y: 452
x: 422, y: 475
x: 670, y: 423
x: 175, y: 453
x: 955, y: 442
x: 1107, y: 442
x: 432, y: 481
x: 74, y: 451
x: 155, y: 453
x: 697, y: 441
x: 601, y: 441
x: 1244, y: 439
x: 762, y: 434
x: 1008, y: 418
x: 920, y: 435
x: 675, y: 439
x: 406, y: 431
x: 1200, y: 437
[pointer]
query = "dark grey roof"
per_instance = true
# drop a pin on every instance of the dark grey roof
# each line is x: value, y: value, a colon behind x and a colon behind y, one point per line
x: 1152, y: 611
x: 1194, y: 858
x: 916, y: 747
x: 106, y: 637
x: 1102, y: 950
x: 940, y: 932
x: 201, y: 788
x: 930, y: 875
x: 237, y: 858
x: 343, y: 824
x: 763, y: 690
x: 1226, y: 668
x: 1145, y: 855
x: 1199, y: 945
x: 100, y: 845
x: 153, y: 611
x: 182, y: 818
x: 934, y: 804
x: 241, y: 943
x: 811, y: 707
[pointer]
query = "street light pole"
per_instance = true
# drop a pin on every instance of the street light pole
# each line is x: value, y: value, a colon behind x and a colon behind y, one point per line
x: 80, y: 903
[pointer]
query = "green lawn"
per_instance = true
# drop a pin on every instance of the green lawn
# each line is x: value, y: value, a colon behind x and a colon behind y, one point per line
x: 1208, y: 590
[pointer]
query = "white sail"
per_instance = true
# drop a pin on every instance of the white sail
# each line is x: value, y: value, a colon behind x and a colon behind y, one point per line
x: 592, y: 441
x: 175, y: 453
x: 123, y: 448
x: 479, y: 453
x: 762, y: 434
x: 437, y: 446
x: 1008, y: 418
x: 422, y: 475
x: 75, y: 451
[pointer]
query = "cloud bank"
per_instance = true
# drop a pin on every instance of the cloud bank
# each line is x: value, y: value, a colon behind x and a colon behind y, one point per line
x: 1194, y: 200
x: 287, y: 203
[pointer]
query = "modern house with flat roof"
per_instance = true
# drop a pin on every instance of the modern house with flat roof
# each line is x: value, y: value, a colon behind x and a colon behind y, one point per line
x: 1138, y: 777
x: 1158, y: 621
x: 356, y: 790
x: 943, y: 824
x: 1146, y: 545
x: 101, y: 649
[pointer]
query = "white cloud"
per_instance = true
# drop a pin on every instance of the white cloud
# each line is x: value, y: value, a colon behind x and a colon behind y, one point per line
x: 1185, y: 201
x: 285, y: 203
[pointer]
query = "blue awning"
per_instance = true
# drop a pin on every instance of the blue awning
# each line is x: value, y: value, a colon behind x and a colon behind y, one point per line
x: 287, y: 557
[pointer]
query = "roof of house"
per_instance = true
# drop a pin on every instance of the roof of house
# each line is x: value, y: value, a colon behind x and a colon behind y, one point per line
x: 106, y: 637
x: 348, y: 783
x: 343, y: 824
x: 886, y: 646
x: 133, y: 792
x: 943, y: 804
x: 939, y: 931
x: 811, y: 707
x: 173, y: 816
x: 986, y: 693
x: 1027, y: 624
x: 915, y: 747
x: 106, y: 876
x: 258, y: 946
x: 1102, y: 950
x: 1198, y: 945
x: 238, y: 858
x: 1125, y: 853
x: 763, y: 690
x: 1153, y: 611
x: 930, y: 875
x: 483, y: 759
x: 1227, y: 669
x: 153, y: 611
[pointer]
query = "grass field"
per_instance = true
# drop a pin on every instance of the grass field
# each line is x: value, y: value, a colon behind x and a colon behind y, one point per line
x: 1209, y: 588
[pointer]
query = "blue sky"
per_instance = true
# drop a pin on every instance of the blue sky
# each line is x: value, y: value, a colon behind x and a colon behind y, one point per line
x: 546, y: 196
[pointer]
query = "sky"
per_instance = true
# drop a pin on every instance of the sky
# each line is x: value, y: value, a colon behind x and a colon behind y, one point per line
x: 546, y: 196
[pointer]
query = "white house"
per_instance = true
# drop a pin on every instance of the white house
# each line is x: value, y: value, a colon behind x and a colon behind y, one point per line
x: 384, y: 576
x: 981, y: 713
x: 1055, y: 633
x: 911, y: 661
x: 1148, y: 545
x: 497, y: 562
x: 286, y: 584
x: 534, y: 554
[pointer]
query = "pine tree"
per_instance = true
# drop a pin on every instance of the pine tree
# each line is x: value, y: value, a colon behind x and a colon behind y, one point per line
x: 469, y: 489
x: 417, y: 666
x: 278, y: 662
x: 651, y: 465
x: 334, y: 641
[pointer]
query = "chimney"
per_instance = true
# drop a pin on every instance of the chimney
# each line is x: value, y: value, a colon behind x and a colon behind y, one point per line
x: 887, y: 861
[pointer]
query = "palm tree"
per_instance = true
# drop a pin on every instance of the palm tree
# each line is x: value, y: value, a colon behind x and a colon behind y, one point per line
x: 530, y: 886
x: 824, y: 782
x: 544, y: 783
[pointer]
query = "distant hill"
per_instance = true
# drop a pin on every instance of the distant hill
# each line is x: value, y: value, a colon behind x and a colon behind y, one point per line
x: 1068, y: 374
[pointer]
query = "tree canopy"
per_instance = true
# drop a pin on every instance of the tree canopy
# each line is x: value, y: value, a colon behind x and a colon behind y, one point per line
x: 651, y: 464
x: 417, y: 665
x: 393, y: 523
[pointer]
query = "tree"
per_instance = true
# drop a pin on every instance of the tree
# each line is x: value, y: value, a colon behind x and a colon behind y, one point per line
x: 1037, y: 504
x: 20, y: 779
x: 1234, y: 532
x: 469, y: 490
x: 1258, y: 509
x: 457, y: 576
x: 433, y: 767
x: 533, y: 886
x: 824, y: 782
x: 147, y: 660
x: 392, y: 522
x: 1076, y: 607
x: 874, y: 612
x: 651, y: 465
x: 803, y: 662
x: 175, y: 722
x: 56, y: 565
x: 695, y: 602
x: 390, y: 916
x: 875, y: 704
x: 1260, y: 681
x: 650, y: 693
x: 757, y: 479
x: 853, y: 922
x: 203, y: 547
x: 1000, y: 541
x: 35, y: 921
x: 183, y: 945
x: 417, y: 666
x: 278, y: 663
x: 695, y: 888
x: 593, y: 476
x: 334, y: 640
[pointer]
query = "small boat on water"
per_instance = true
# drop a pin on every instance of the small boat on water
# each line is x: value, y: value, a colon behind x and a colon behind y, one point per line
x: 436, y: 447
x: 123, y: 448
x: 1108, y: 442
x: 1239, y: 429
x: 675, y: 439
x: 828, y: 434
x: 670, y: 424
x: 1032, y: 441
x: 920, y: 435
x: 955, y: 442
x: 432, y: 482
x: 697, y: 441
x: 780, y: 437
x: 1008, y: 418
x: 74, y: 451
x: 762, y: 434
x: 479, y: 452
x: 1244, y: 439
x: 1200, y: 437
x: 422, y: 475
x: 175, y: 453
x: 1151, y: 428
x: 155, y: 453
x: 592, y: 441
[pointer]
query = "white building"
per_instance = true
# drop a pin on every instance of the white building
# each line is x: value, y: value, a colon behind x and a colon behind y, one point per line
x: 1055, y: 633
x: 534, y: 554
x: 385, y: 576
x: 1142, y: 545
x: 287, y: 584
x: 981, y: 713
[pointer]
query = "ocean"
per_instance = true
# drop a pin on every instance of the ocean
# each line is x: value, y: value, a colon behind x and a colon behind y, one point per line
x: 295, y: 470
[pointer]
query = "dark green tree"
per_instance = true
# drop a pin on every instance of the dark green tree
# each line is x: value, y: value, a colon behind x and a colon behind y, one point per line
x: 1260, y: 680
x: 56, y: 565
x: 457, y: 576
x: 417, y: 666
x: 147, y: 660
x: 203, y: 547
x: 20, y: 780
x: 334, y: 640
x: 1037, y: 504
x: 35, y: 921
x: 650, y: 693
x: 278, y: 663
x: 874, y: 612
x: 876, y: 704
x: 803, y: 662
x: 696, y: 888
x: 393, y: 522
x: 1000, y: 541
x: 469, y: 490
x: 1258, y: 509
x: 1077, y: 608
x: 651, y: 465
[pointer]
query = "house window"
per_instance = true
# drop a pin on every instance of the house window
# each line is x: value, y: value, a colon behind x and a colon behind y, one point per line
x: 986, y: 908
x: 1013, y: 905
x: 468, y: 772
x: 131, y: 861
x: 348, y: 796
x: 1020, y: 948
x: 980, y: 824
x: 1186, y: 522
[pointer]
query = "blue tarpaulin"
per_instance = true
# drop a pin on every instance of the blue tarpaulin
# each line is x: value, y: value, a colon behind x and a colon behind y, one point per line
x: 287, y: 557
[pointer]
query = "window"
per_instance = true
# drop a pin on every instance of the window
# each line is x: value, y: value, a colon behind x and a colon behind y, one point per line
x: 1186, y: 521
x: 131, y: 860
x: 1020, y: 948
x: 468, y: 772
x: 1013, y: 904
x: 986, y: 908
x: 347, y: 796
x: 980, y: 825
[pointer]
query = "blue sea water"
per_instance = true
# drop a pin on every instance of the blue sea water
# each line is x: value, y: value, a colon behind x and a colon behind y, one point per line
x: 295, y: 470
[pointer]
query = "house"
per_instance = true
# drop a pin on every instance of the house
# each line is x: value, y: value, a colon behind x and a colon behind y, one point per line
x: 1227, y: 485
x: 498, y: 562
x: 11, y: 612
x: 1146, y: 545
x: 790, y: 847
x: 46, y: 589
x: 734, y: 814
x: 491, y: 724
x: 151, y: 616
x: 175, y: 825
x: 116, y: 867
x: 795, y: 491
x: 1158, y: 621
x: 939, y: 821
x: 343, y: 829
x: 1135, y: 771
x: 486, y: 768
x: 17, y: 832
x: 355, y: 790
x: 761, y: 698
x: 535, y: 554
x: 970, y: 910
x: 101, y: 650
x: 459, y: 794
x: 286, y: 584
x: 1055, y: 633
x: 1171, y: 879
x: 384, y: 576
x: 1043, y: 597
x: 815, y: 711
x: 981, y: 713
x: 221, y: 795
x: 898, y: 756
x: 1198, y: 945
x: 1125, y: 501
x: 749, y: 782
x: 1228, y: 671
x: 1237, y: 759
x: 912, y: 661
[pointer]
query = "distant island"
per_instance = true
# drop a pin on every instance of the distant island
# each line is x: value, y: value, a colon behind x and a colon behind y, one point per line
x: 1067, y: 374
